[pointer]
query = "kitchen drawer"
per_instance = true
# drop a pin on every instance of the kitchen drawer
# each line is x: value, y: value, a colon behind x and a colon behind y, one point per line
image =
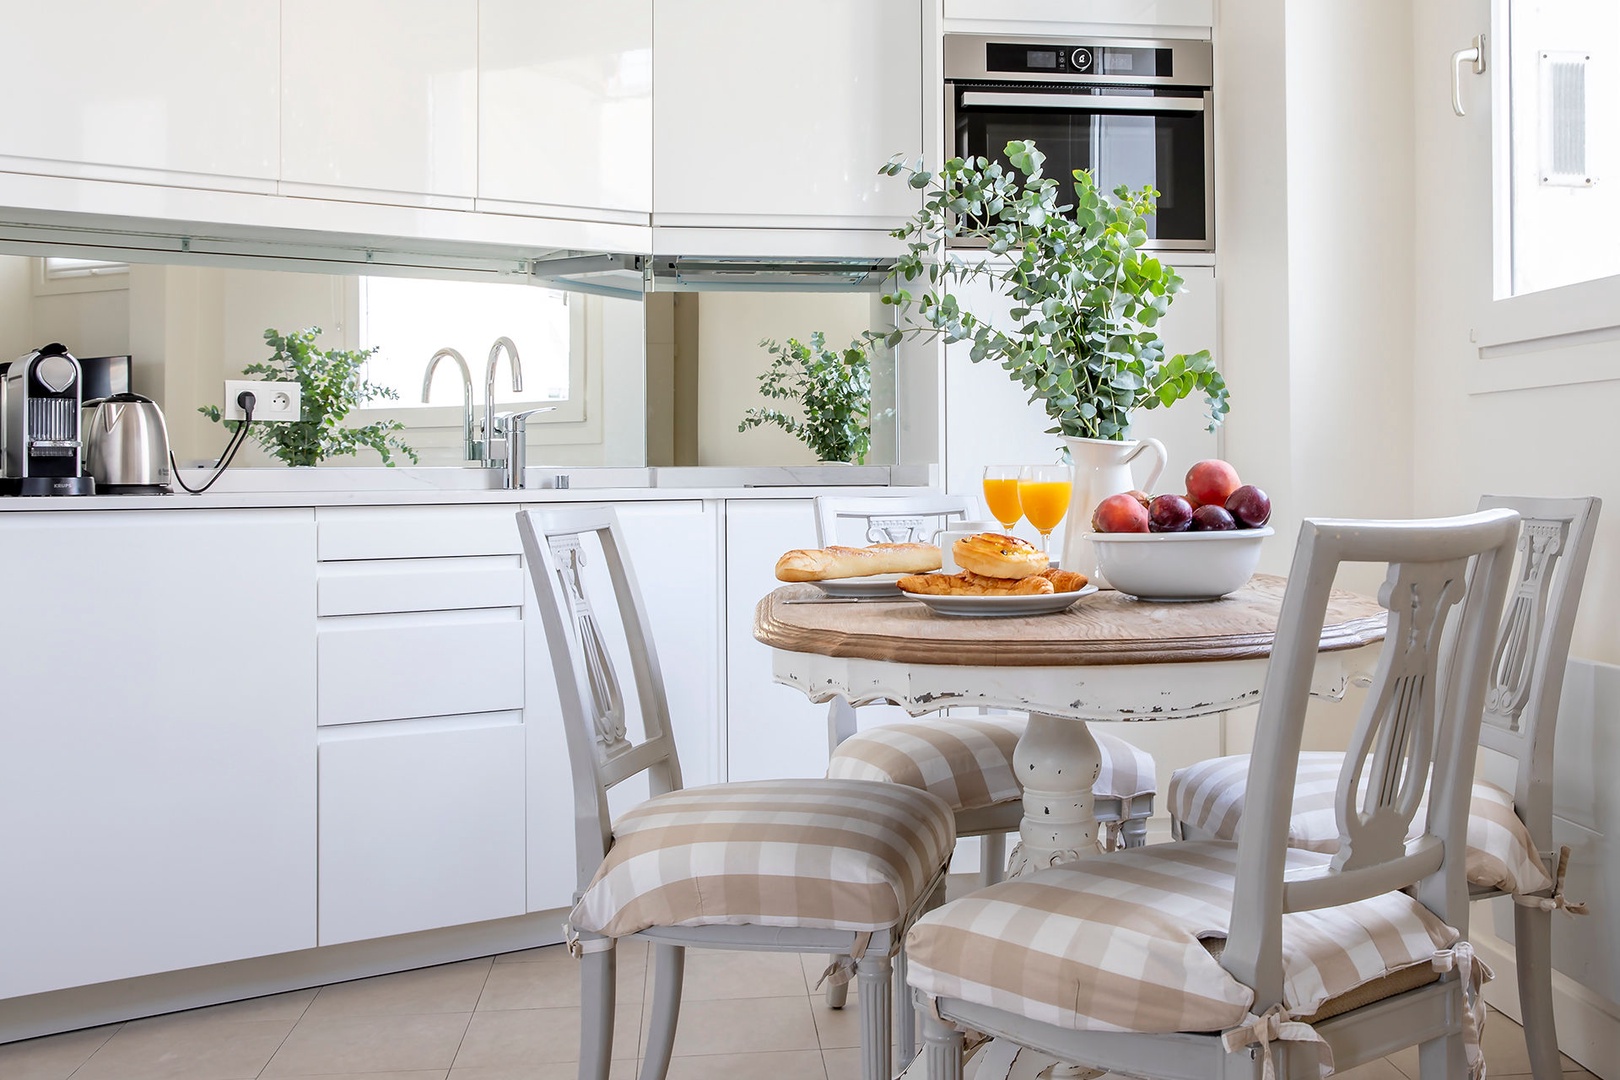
x: 387, y: 667
x: 427, y: 532
x: 421, y: 825
x: 393, y: 585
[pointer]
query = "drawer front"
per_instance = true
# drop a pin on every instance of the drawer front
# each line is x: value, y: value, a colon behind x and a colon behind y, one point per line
x: 345, y: 533
x: 390, y: 667
x: 396, y: 585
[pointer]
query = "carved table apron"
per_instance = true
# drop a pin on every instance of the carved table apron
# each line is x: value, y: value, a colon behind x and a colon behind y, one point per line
x: 1109, y: 658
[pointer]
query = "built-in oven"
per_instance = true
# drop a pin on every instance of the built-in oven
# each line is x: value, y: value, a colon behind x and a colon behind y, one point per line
x: 1131, y: 112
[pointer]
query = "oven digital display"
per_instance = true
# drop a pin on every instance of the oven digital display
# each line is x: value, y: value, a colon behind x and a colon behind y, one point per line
x: 1041, y: 60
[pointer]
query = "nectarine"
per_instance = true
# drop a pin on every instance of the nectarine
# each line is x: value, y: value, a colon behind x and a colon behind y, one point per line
x: 1211, y: 482
x: 1120, y: 514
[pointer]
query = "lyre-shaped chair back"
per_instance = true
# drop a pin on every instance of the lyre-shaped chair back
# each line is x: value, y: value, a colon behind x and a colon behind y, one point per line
x: 1415, y: 727
x: 600, y: 751
x: 1526, y: 678
x: 902, y: 520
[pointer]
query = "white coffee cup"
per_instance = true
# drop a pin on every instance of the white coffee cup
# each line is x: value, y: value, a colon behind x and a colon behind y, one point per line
x: 956, y: 531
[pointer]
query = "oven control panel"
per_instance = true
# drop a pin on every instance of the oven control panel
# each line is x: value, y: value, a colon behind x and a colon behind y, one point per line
x: 1129, y: 61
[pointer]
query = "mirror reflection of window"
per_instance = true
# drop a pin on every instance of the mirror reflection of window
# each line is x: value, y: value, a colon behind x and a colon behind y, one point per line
x: 408, y: 319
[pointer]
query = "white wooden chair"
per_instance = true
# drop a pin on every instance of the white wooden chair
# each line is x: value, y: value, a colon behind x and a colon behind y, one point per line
x: 1510, y: 844
x: 821, y: 866
x: 1248, y: 958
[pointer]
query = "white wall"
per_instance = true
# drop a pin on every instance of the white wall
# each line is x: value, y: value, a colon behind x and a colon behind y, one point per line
x: 730, y: 361
x: 16, y: 308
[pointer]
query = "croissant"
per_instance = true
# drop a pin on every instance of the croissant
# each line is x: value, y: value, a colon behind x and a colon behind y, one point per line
x: 968, y: 583
x: 1065, y: 580
x: 825, y: 564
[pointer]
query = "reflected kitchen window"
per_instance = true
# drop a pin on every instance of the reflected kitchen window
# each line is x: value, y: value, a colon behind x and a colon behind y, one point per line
x: 408, y: 319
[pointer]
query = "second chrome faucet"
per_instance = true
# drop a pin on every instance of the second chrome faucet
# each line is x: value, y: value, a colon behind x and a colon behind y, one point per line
x: 495, y: 444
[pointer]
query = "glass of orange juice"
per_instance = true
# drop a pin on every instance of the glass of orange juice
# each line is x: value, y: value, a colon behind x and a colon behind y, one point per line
x: 1001, y: 494
x: 1043, y: 492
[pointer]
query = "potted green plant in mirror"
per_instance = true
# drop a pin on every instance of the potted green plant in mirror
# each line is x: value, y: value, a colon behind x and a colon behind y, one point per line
x: 833, y: 388
x: 333, y: 385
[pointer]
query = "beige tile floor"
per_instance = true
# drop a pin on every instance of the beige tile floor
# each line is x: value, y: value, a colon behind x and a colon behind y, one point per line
x: 746, y: 1016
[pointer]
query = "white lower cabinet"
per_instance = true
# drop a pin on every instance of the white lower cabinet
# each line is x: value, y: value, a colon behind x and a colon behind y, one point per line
x: 421, y: 825
x: 157, y: 750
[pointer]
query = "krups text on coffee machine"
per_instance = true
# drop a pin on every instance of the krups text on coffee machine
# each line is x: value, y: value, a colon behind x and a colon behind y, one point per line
x: 42, y: 451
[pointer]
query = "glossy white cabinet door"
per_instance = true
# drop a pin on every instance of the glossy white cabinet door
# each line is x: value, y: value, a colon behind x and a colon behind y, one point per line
x: 674, y: 549
x: 379, y: 100
x: 783, y: 113
x: 565, y: 104
x: 421, y: 825
x: 157, y: 745
x: 185, y: 87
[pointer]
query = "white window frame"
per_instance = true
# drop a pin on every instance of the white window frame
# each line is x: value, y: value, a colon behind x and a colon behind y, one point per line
x: 446, y: 381
x: 1558, y: 321
x: 107, y: 276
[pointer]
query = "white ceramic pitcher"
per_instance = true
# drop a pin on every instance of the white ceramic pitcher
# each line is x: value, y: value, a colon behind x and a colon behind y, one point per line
x: 1102, y: 467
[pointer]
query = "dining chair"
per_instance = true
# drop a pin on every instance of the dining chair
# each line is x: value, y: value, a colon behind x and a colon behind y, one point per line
x: 806, y: 865
x: 1511, y: 851
x: 1249, y: 958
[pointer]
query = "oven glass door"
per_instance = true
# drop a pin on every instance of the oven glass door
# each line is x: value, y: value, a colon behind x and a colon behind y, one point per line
x: 1123, y: 136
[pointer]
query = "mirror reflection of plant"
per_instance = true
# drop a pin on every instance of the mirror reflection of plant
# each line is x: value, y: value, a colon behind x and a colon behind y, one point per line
x: 333, y: 385
x: 1085, y: 296
x: 834, y: 389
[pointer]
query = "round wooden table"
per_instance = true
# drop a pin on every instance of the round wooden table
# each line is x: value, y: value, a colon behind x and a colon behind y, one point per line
x: 1108, y: 658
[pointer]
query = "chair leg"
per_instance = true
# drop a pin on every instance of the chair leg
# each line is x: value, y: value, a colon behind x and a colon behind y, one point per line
x: 877, y: 1061
x: 905, y: 1013
x: 1133, y: 832
x: 942, y: 1049
x: 669, y: 966
x: 598, y: 979
x: 992, y: 858
x: 1443, y: 1059
x: 837, y: 992
x: 1532, y: 931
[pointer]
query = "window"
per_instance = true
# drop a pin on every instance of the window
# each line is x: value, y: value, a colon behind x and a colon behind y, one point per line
x: 409, y: 319
x: 54, y: 275
x: 56, y: 269
x: 1558, y: 147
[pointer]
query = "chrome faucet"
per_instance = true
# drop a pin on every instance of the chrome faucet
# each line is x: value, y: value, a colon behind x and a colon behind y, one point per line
x: 513, y: 428
x: 475, y: 448
x: 495, y: 456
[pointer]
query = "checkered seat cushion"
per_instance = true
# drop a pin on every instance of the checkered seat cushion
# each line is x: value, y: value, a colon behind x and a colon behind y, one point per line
x: 1129, y: 942
x: 828, y: 854
x: 1209, y: 796
x: 968, y: 761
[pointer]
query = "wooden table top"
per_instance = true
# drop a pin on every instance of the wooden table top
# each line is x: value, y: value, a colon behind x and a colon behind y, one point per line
x: 1104, y: 628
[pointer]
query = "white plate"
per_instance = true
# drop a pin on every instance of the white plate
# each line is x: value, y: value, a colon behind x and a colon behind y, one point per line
x: 992, y: 607
x: 861, y: 587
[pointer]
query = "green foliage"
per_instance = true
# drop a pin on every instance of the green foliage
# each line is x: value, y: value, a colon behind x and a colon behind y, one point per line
x: 1085, y: 296
x: 333, y: 386
x: 834, y: 388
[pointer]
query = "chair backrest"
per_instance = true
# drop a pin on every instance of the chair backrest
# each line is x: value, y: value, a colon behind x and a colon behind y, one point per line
x: 907, y: 519
x: 1418, y: 726
x: 600, y: 752
x: 1532, y: 647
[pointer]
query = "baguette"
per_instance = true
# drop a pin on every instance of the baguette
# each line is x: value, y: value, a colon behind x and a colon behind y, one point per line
x: 828, y: 563
x: 967, y: 583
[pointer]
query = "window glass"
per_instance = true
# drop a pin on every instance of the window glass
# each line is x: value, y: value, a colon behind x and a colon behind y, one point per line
x: 1561, y: 161
x: 59, y: 268
x: 409, y: 319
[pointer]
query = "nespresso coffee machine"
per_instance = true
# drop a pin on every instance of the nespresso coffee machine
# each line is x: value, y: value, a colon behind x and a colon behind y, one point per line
x: 40, y: 403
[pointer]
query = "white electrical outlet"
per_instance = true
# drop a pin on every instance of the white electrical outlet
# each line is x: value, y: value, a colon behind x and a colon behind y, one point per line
x: 272, y: 401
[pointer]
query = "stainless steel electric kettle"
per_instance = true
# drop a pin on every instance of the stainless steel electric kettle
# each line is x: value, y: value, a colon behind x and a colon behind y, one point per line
x: 127, y: 446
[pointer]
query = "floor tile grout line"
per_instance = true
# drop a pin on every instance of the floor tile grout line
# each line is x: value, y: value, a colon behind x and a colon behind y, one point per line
x: 476, y: 1001
x: 116, y: 1028
x: 300, y: 1019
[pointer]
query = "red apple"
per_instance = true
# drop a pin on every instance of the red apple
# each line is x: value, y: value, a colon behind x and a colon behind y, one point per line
x: 1211, y: 482
x: 1120, y: 514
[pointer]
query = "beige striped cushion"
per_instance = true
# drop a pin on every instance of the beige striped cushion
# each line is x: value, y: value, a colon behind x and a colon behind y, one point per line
x: 1501, y: 855
x: 829, y: 854
x: 1115, y: 943
x: 968, y: 761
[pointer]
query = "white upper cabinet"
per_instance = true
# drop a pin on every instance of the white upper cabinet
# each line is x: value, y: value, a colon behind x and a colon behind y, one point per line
x: 101, y: 86
x: 565, y: 106
x: 779, y: 115
x: 379, y: 100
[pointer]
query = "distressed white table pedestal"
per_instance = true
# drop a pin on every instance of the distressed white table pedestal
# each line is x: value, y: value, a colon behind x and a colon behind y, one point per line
x: 1109, y: 658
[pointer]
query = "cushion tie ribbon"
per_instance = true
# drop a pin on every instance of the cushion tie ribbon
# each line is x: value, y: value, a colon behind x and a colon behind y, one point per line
x: 579, y: 946
x: 1474, y: 974
x: 1273, y: 1024
x: 1555, y: 901
x: 842, y: 970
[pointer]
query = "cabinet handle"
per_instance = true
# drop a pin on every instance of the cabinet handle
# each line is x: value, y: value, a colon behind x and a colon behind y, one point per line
x: 1086, y: 102
x: 1474, y: 55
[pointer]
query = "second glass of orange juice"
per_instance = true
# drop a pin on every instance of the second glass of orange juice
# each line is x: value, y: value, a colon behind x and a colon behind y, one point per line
x: 1043, y: 492
x: 1001, y: 494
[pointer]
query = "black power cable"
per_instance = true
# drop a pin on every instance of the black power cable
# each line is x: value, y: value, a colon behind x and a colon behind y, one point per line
x: 246, y: 400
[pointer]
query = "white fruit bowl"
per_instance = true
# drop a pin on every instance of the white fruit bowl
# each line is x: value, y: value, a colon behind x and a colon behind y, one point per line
x: 1179, y: 566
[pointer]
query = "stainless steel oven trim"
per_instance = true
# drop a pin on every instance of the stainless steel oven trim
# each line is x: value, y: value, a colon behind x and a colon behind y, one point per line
x: 1193, y: 61
x: 1088, y: 102
x: 1206, y: 244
